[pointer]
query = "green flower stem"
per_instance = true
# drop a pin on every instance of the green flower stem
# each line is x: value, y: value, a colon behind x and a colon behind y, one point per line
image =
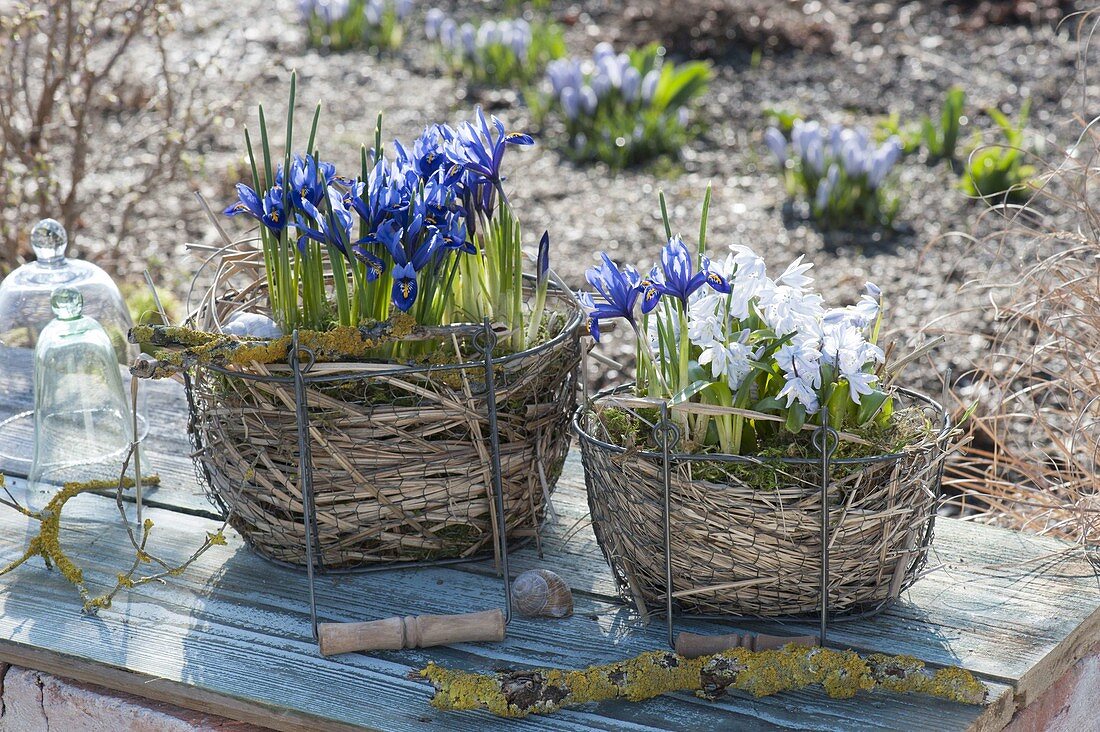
x: 340, y: 283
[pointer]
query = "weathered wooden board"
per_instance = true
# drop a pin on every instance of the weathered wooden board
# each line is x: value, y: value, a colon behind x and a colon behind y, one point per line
x: 1013, y: 607
x: 1016, y: 609
x: 232, y: 637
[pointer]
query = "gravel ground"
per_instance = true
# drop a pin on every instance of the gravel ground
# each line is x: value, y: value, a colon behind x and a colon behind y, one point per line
x: 884, y: 57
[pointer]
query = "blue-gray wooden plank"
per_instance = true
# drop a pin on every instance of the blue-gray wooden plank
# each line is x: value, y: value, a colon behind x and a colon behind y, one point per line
x: 1013, y: 608
x: 231, y: 636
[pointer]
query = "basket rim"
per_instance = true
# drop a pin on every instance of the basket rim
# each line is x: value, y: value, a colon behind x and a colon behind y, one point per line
x: 568, y: 331
x: 585, y: 437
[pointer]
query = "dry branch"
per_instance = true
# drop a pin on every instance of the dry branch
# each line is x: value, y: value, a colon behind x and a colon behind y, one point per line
x: 841, y: 673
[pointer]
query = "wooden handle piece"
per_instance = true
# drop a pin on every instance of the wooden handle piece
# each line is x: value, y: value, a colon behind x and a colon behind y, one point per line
x: 411, y: 631
x: 691, y: 645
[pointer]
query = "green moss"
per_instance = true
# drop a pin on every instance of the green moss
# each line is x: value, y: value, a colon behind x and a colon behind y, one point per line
x: 631, y: 429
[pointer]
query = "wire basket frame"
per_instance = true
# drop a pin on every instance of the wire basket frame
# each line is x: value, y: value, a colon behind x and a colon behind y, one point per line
x: 400, y: 461
x: 509, y: 447
x: 698, y: 533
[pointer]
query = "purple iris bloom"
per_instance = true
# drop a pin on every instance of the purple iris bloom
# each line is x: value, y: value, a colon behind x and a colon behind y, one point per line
x: 678, y: 276
x: 387, y: 235
x: 405, y: 268
x: 335, y: 224
x: 480, y: 152
x: 542, y: 262
x: 308, y: 178
x: 268, y: 210
x: 619, y: 291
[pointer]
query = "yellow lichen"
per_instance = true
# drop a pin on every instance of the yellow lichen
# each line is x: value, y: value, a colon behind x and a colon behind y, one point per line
x: 842, y: 674
x: 47, y: 543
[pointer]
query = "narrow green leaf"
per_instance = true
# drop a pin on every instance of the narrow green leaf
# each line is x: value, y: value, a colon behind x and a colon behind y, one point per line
x: 689, y: 391
x: 313, y: 130
x: 269, y: 175
x: 703, y: 222
x: 664, y: 214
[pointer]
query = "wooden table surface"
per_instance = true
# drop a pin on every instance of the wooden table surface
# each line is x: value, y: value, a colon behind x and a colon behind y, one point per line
x: 232, y: 636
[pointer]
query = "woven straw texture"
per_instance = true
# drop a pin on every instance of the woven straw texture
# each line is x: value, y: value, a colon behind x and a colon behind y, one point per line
x: 746, y: 549
x: 401, y: 463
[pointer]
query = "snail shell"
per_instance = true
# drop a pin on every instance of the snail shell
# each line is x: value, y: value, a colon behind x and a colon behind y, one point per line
x: 541, y: 593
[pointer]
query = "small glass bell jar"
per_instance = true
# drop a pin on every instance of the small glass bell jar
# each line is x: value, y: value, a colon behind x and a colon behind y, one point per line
x: 25, y: 312
x: 25, y: 293
x: 82, y: 419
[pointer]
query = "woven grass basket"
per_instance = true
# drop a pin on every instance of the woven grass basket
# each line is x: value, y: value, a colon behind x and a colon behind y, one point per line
x: 742, y: 548
x: 401, y: 462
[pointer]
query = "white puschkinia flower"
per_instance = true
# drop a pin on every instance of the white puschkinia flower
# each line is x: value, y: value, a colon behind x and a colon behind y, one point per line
x: 729, y: 361
x: 863, y: 314
x: 748, y: 278
x: 705, y: 325
x: 789, y: 310
x: 844, y: 347
x: 795, y: 274
x: 801, y: 365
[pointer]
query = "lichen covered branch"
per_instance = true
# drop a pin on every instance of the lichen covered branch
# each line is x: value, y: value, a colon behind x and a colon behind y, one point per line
x: 841, y: 673
x: 180, y: 348
x: 47, y: 542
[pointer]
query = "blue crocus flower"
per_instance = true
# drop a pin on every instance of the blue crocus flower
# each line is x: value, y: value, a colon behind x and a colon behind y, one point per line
x: 480, y: 151
x: 777, y: 143
x: 619, y: 291
x: 679, y: 279
x: 268, y: 210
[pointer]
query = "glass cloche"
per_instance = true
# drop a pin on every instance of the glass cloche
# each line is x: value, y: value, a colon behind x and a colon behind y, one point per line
x: 83, y: 426
x: 25, y: 293
x: 25, y: 311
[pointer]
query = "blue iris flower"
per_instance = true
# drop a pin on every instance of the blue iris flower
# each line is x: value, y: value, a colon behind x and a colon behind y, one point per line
x: 268, y: 210
x: 678, y: 277
x: 405, y: 271
x: 335, y: 224
x: 428, y: 155
x: 542, y: 261
x: 480, y: 151
x: 619, y: 291
x: 388, y: 235
x: 309, y: 179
